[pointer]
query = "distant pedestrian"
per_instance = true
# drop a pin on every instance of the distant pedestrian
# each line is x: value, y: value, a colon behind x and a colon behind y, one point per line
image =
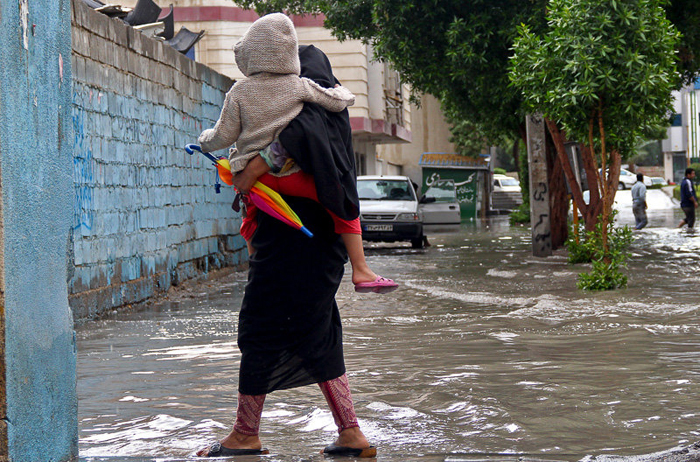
x: 689, y: 200
x: 639, y: 202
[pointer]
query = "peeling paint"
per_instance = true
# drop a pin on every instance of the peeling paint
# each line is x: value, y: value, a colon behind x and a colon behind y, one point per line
x: 24, y: 18
x: 60, y: 67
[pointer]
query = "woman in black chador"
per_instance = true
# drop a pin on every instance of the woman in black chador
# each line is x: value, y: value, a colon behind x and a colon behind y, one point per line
x: 289, y: 330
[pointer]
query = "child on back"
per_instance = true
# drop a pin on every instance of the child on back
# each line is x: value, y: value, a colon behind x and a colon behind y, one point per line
x: 258, y: 108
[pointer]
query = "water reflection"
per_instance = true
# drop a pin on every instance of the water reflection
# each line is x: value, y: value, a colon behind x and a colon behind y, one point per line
x: 484, y: 349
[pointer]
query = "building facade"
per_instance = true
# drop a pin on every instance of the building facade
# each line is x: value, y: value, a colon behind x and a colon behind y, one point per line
x: 682, y: 144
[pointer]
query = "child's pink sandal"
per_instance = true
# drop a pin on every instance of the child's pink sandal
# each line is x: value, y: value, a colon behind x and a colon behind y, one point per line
x: 378, y: 286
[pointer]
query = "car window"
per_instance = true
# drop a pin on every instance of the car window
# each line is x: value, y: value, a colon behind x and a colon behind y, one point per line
x: 442, y: 191
x: 509, y: 182
x: 397, y: 190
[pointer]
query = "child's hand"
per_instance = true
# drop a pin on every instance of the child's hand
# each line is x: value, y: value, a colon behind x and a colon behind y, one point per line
x: 243, y: 181
x: 246, y: 178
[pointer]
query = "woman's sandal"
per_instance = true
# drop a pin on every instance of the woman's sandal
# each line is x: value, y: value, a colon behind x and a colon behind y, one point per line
x: 334, y: 450
x: 217, y: 450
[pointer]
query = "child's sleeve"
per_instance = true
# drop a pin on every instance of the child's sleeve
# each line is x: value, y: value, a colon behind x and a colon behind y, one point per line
x: 227, y: 128
x: 334, y: 99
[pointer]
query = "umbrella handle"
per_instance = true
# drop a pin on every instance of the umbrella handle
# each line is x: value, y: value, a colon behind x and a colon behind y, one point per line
x: 191, y: 148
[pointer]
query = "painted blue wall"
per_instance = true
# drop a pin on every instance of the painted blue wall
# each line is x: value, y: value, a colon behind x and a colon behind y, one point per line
x: 36, y: 165
x: 146, y: 215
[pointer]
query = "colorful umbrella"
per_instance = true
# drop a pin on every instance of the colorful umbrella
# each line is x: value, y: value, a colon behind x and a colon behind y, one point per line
x: 263, y: 197
x: 270, y: 202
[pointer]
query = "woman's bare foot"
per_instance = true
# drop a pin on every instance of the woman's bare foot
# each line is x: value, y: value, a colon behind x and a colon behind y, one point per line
x: 352, y: 438
x: 236, y: 440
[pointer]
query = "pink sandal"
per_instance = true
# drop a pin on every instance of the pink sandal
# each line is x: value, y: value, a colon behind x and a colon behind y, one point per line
x: 378, y: 286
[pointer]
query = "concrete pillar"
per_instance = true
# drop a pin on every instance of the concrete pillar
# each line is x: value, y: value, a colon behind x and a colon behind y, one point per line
x: 539, y: 189
x: 38, y: 402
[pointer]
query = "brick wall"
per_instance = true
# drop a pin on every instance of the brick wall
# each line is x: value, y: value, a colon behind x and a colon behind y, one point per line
x: 146, y: 215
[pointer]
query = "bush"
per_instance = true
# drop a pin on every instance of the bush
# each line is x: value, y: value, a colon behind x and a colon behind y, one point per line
x: 606, y: 273
x: 521, y: 215
x: 581, y: 251
x: 677, y: 191
x: 499, y: 171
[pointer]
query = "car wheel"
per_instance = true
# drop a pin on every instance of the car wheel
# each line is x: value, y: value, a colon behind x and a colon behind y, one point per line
x: 418, y: 243
x: 621, y: 185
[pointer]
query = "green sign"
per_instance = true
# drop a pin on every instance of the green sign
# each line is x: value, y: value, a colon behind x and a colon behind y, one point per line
x: 467, y: 184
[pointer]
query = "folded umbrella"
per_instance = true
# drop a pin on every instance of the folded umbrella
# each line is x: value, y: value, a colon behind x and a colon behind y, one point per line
x: 266, y: 199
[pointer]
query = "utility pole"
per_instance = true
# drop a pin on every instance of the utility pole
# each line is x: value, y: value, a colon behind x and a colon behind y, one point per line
x: 539, y: 189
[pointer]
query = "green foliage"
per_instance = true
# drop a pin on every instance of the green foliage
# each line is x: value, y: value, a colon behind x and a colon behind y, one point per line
x: 458, y: 51
x: 455, y: 50
x: 696, y: 166
x: 607, y: 267
x: 616, y: 57
x: 648, y: 154
x: 581, y: 251
x: 499, y: 171
x: 677, y: 191
x: 521, y: 215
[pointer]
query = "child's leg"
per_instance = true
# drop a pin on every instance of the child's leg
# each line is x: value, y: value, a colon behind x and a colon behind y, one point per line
x: 302, y: 185
x: 248, y: 226
x: 356, y: 252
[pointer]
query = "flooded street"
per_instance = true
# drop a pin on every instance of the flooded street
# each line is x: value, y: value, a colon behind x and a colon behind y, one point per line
x: 484, y: 349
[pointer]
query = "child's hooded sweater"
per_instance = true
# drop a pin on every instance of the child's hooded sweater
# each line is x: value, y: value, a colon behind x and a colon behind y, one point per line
x: 258, y: 108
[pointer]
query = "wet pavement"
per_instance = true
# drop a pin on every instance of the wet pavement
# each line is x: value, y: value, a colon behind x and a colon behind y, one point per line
x: 484, y: 353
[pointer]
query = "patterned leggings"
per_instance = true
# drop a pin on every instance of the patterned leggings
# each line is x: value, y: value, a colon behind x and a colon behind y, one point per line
x: 336, y: 392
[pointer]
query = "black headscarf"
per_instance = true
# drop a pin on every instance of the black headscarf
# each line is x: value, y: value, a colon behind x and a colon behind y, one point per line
x: 320, y: 142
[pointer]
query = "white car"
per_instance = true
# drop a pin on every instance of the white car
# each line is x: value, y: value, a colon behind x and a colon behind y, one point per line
x: 507, y: 194
x: 628, y: 179
x: 389, y: 210
x: 505, y: 183
x: 440, y: 207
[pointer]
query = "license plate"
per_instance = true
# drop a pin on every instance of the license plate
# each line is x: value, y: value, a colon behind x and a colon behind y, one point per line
x: 379, y: 228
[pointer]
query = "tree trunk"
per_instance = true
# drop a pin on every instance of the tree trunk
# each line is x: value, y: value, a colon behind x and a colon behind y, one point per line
x: 516, y: 154
x: 558, y: 196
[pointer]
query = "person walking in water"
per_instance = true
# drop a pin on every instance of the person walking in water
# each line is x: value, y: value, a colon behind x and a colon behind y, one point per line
x: 689, y: 200
x: 289, y: 326
x: 639, y: 202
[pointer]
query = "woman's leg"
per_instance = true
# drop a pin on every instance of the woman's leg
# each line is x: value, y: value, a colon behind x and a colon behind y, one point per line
x: 339, y: 399
x: 248, y: 414
x: 245, y: 431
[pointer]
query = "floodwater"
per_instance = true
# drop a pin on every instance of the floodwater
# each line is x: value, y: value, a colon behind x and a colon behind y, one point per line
x: 483, y: 353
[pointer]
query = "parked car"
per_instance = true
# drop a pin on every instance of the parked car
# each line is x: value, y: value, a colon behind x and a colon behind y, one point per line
x: 628, y: 179
x: 505, y: 183
x: 440, y: 207
x: 507, y: 194
x: 389, y: 210
x: 658, y: 180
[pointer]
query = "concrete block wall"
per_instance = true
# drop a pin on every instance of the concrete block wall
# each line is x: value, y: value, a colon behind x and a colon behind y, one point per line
x: 146, y: 214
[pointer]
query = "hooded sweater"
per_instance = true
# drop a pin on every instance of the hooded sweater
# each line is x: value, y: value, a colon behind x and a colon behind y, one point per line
x: 258, y: 108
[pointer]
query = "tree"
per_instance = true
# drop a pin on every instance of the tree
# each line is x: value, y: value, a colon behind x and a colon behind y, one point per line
x: 602, y: 74
x: 459, y: 52
x: 455, y: 50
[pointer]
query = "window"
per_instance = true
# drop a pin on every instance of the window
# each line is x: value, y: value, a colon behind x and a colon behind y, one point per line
x: 397, y: 190
x: 443, y: 191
